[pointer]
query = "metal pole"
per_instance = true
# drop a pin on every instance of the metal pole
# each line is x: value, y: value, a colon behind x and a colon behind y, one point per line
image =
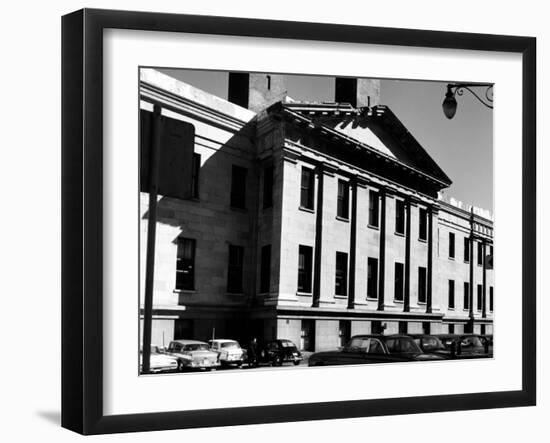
x: 154, y: 160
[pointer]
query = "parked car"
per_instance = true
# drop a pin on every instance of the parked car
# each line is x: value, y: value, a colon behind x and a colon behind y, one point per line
x: 229, y: 351
x: 364, y: 349
x: 193, y: 354
x: 159, y: 362
x: 431, y: 344
x: 275, y: 353
x: 465, y: 345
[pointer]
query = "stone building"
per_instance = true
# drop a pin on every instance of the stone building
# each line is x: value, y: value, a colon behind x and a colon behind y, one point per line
x: 310, y: 221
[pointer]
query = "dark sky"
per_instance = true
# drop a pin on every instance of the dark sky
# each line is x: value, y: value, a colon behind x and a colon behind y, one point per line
x: 463, y: 146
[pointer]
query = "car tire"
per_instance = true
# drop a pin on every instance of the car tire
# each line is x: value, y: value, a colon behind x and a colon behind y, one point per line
x: 296, y: 362
x: 181, y: 366
x: 277, y: 361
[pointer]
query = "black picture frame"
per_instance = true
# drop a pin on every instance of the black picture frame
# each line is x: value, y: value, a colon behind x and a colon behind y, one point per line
x: 82, y: 215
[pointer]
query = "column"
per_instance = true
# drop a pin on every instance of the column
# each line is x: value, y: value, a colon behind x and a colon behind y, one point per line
x: 484, y: 301
x: 382, y: 258
x: 352, y: 244
x: 429, y: 272
x: 407, y: 286
x: 318, y: 256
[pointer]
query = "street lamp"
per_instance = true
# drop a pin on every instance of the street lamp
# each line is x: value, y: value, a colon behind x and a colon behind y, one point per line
x: 453, y: 89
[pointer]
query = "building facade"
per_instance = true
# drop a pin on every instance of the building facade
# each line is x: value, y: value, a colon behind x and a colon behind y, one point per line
x: 309, y: 221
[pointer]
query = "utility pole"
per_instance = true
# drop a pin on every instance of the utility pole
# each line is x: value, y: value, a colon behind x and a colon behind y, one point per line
x: 154, y: 155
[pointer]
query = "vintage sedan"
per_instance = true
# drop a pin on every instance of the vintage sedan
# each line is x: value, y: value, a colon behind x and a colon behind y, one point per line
x: 274, y: 353
x: 229, y: 351
x: 466, y: 345
x: 364, y: 349
x: 193, y: 354
x: 431, y: 344
x: 159, y: 362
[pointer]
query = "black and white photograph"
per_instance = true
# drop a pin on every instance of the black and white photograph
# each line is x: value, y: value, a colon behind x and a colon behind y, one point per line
x: 292, y: 221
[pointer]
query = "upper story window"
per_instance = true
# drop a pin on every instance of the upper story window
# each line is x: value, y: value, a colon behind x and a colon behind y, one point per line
x: 480, y: 253
x: 372, y: 277
x: 238, y: 187
x: 342, y: 209
x: 398, y: 281
x: 466, y: 295
x: 235, y: 269
x: 466, y: 249
x: 451, y: 294
x: 185, y: 264
x: 374, y: 209
x: 305, y: 262
x: 491, y: 298
x: 479, y: 297
x: 422, y: 285
x: 399, y: 216
x: 451, y: 245
x: 341, y: 280
x: 307, y: 188
x: 268, y: 187
x: 423, y: 224
x: 195, y: 175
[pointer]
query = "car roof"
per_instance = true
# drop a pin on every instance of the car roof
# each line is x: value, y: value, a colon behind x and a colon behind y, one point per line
x: 189, y: 342
x: 224, y: 340
x: 381, y: 336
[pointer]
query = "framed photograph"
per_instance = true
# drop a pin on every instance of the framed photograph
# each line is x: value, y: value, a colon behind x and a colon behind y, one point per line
x: 273, y: 221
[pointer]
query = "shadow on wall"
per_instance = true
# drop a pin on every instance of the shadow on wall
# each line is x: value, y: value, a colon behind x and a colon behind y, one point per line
x: 213, y: 224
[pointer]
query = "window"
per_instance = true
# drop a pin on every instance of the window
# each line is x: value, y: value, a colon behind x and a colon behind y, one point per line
x: 491, y: 298
x: 374, y: 205
x: 372, y: 277
x: 451, y: 294
x: 399, y: 216
x: 268, y: 82
x: 307, y: 188
x: 235, y: 269
x: 451, y: 328
x: 423, y: 224
x: 265, y: 269
x: 398, y: 282
x: 466, y: 295
x: 451, y: 245
x: 185, y: 264
x: 195, y: 175
x: 268, y: 187
x: 479, y: 297
x: 480, y: 253
x: 238, y: 187
x: 341, y: 274
x: 342, y: 209
x: 305, y: 254
x: 422, y: 285
x: 466, y: 249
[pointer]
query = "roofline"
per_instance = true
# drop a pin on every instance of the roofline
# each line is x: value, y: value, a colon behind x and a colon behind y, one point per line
x: 350, y: 140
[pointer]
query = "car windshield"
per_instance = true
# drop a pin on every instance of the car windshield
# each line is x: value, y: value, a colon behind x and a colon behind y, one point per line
x: 196, y: 347
x: 230, y: 345
x: 402, y: 345
x: 471, y: 342
x: 287, y: 344
x: 431, y: 344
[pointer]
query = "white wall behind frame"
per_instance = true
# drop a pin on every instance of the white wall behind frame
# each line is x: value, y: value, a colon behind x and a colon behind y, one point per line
x: 30, y: 397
